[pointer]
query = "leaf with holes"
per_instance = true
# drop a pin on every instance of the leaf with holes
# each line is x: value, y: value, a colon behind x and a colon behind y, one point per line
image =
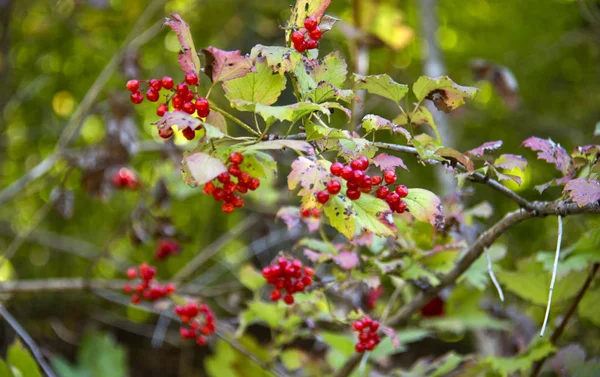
x: 188, y: 57
x: 454, y: 155
x: 271, y: 114
x: 381, y: 85
x: 308, y: 8
x: 331, y: 106
x: 583, y: 191
x: 341, y: 215
x: 261, y: 86
x: 484, y: 148
x: 551, y: 152
x: 425, y: 206
x: 280, y: 59
x: 225, y: 65
x: 445, y: 93
x: 202, y: 167
x: 386, y: 162
x: 374, y: 215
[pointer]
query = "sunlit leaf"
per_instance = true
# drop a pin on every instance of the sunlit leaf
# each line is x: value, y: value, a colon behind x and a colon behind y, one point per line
x: 382, y: 85
x: 425, y: 206
x: 550, y: 152
x: 20, y: 358
x: 188, y: 57
x: 445, y: 93
x: 387, y: 162
x: 511, y: 161
x: 225, y: 65
x: 280, y: 59
x: 203, y: 167
x: 583, y: 191
x: 261, y: 86
x: 290, y: 113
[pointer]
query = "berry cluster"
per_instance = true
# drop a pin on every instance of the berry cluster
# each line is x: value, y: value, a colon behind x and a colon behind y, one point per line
x: 368, y: 338
x: 315, y: 213
x: 147, y: 288
x: 287, y: 275
x: 225, y: 193
x: 199, y: 322
x: 180, y: 96
x: 357, y: 182
x: 314, y: 35
x: 166, y: 248
x: 125, y: 178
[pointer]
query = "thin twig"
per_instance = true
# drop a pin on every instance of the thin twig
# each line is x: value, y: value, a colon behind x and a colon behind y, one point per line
x: 35, y: 350
x: 492, y: 276
x: 554, y: 270
x: 233, y: 119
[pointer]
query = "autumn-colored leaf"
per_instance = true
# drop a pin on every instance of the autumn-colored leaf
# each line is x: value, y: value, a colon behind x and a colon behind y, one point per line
x: 225, y: 65
x: 179, y: 119
x: 453, y: 154
x: 311, y: 175
x: 373, y: 122
x: 425, y: 206
x: 511, y: 161
x: 483, y: 148
x: 551, y: 152
x: 445, y: 93
x: 583, y: 191
x: 203, y: 167
x: 347, y: 260
x: 280, y: 59
x: 188, y: 57
x: 386, y: 162
x: 308, y: 8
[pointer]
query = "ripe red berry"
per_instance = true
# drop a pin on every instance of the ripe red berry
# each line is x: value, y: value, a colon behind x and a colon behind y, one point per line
x: 401, y: 207
x: 382, y: 192
x: 236, y: 157
x: 309, y: 271
x: 241, y: 189
x: 315, y: 34
x: 297, y: 38
x: 275, y: 295
x: 182, y: 89
x: 357, y: 177
x: 310, y: 23
x: 155, y: 84
x: 189, y: 96
x: 402, y: 191
x: 336, y: 169
x: 203, y: 107
x: 229, y: 187
x: 357, y: 326
x: 227, y: 207
x: 315, y: 212
x: 165, y: 132
x: 167, y: 82
x: 162, y: 109
x: 224, y: 177
x: 201, y: 340
x: 152, y: 95
x: 356, y: 164
x: 234, y: 170
x: 392, y: 199
x: 188, y: 107
x: 376, y: 180
x: 191, y: 78
x: 288, y: 299
x: 311, y: 45
x: 188, y: 133
x: 322, y: 197
x: 137, y: 97
x: 305, y: 212
x: 364, y: 162
x: 135, y: 299
x: 359, y: 347
x: 300, y: 46
x: 177, y: 102
x: 333, y: 187
x: 353, y: 194
x: 134, y: 85
x: 131, y: 273
x: 254, y: 183
x: 347, y: 172
x: 389, y: 177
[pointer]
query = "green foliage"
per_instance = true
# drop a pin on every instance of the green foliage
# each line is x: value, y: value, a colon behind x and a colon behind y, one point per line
x: 19, y: 362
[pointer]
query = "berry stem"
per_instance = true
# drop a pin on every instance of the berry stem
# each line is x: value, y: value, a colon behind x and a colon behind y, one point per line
x: 232, y: 118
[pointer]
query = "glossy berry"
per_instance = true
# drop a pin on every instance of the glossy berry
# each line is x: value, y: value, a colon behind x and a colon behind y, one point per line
x: 134, y: 85
x: 165, y: 132
x: 191, y: 78
x: 322, y: 197
x: 188, y: 133
x: 275, y: 295
x: 254, y: 183
x: 152, y: 95
x: 155, y: 84
x: 389, y: 177
x: 382, y: 192
x: 400, y: 206
x: 234, y: 170
x: 392, y: 199
x: 315, y: 34
x: 288, y: 299
x: 182, y: 89
x: 137, y: 97
x: 353, y: 194
x: 236, y: 158
x: 315, y: 212
x: 333, y: 187
x: 188, y: 107
x: 310, y: 23
x: 227, y: 207
x: 297, y: 38
x: 402, y: 191
x: 177, y: 102
x: 167, y: 82
x: 368, y: 338
x: 131, y: 273
x: 202, y: 107
x: 336, y: 169
x: 376, y: 180
x: 162, y: 109
x: 347, y: 172
x: 305, y: 212
x: 311, y: 45
x: 356, y: 164
x: 209, y: 188
x: 300, y: 46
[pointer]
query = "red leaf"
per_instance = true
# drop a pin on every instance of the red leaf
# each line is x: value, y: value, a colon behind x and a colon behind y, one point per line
x: 188, y: 58
x: 347, y: 260
x: 391, y: 333
x: 551, y: 152
x: 583, y: 191
x: 179, y: 119
x: 511, y: 161
x: 289, y: 215
x: 225, y: 65
x: 481, y: 150
x: 386, y: 162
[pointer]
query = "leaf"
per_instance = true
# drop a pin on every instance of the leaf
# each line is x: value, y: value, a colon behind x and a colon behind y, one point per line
x: 290, y: 216
x: 292, y: 359
x: 453, y: 154
x: 316, y: 131
x: 551, y: 152
x: 357, y: 146
x: 217, y: 120
x: 425, y: 206
x: 251, y: 278
x: 333, y: 69
x: 374, y: 215
x: 588, y: 308
x: 325, y: 91
x: 179, y: 119
x: 211, y: 132
x: 583, y: 191
x: 188, y: 57
x: 262, y: 86
x: 5, y: 370
x: 258, y: 164
x: 308, y: 8
x: 445, y: 93
x: 225, y: 65
x: 339, y: 342
x: 386, y: 162
x: 203, y: 167
x: 508, y: 365
x: 382, y: 85
x: 290, y: 113
x: 347, y: 260
x: 260, y: 311
x: 511, y: 161
x: 280, y: 59
x: 20, y: 358
x: 477, y: 275
x: 322, y: 80
x: 312, y: 176
x: 372, y: 122
x: 483, y: 148
x: 334, y: 105
x: 102, y: 355
x: 297, y: 145
x: 339, y: 211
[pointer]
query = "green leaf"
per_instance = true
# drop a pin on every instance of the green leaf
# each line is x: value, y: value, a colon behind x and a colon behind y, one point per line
x: 372, y: 122
x: 382, y: 85
x: 280, y: 59
x: 333, y: 69
x: 292, y: 358
x: 506, y: 366
x: 336, y: 106
x: 325, y: 91
x: 445, y: 93
x: 588, y: 307
x: 454, y: 155
x: 5, y: 370
x: 297, y: 145
x: 322, y: 81
x: 316, y: 131
x: 251, y: 278
x: 64, y: 369
x: 259, y: 311
x: 102, y: 355
x: 477, y: 275
x: 262, y: 86
x: 318, y: 245
x: 202, y: 168
x: 211, y: 132
x: 20, y: 358
x: 290, y: 113
x: 258, y: 164
x: 339, y: 342
x: 374, y: 215
x: 339, y: 211
x: 425, y: 206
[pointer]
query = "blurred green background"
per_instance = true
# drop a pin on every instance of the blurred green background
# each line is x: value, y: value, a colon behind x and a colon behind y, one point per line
x: 51, y: 52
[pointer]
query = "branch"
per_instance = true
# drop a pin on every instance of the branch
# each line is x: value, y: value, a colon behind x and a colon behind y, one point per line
x: 554, y: 270
x: 35, y: 350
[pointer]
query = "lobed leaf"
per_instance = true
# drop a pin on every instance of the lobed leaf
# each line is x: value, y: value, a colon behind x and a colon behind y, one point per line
x: 291, y: 113
x: 261, y: 86
x: 511, y: 161
x: 551, y: 152
x: 280, y: 59
x: 225, y: 65
x: 583, y: 191
x: 188, y: 57
x: 445, y: 93
x: 381, y: 85
x: 425, y: 206
x: 386, y: 162
x: 179, y: 119
x: 484, y: 148
x: 373, y: 122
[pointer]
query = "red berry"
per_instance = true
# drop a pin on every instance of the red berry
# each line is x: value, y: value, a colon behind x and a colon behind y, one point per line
x: 245, y: 179
x: 234, y: 170
x: 305, y: 212
x: 155, y: 84
x: 203, y: 107
x: 288, y: 299
x: 307, y: 280
x: 389, y: 177
x: 300, y: 46
x: 336, y: 169
x: 382, y: 192
x: 316, y: 213
x: 229, y: 187
x: 189, y: 96
x: 162, y: 109
x: 352, y: 194
x: 401, y: 206
x: 309, y: 271
x: 201, y: 340
x: 357, y: 326
x: 188, y: 133
x: 359, y: 347
x: 297, y: 38
x: 374, y: 325
x: 254, y: 183
x: 241, y: 189
x: 352, y: 186
x: 402, y: 191
x: 227, y: 207
x: 392, y: 199
x: 134, y: 85
x: 310, y: 23
x: 136, y: 97
x: 275, y: 295
x: 315, y: 34
x: 224, y: 177
x: 135, y: 299
x: 131, y: 273
x: 311, y: 45
x: 236, y: 158
x: 167, y: 82
x: 370, y: 345
x: 376, y: 180
x: 188, y: 107
x: 182, y: 89
x: 165, y: 132
x: 238, y: 202
x: 357, y: 177
x: 127, y: 288
x: 322, y: 197
x: 333, y: 187
x: 356, y: 164
x: 177, y: 102
x: 152, y: 95
x: 347, y: 172
x: 191, y: 78
x: 364, y: 162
